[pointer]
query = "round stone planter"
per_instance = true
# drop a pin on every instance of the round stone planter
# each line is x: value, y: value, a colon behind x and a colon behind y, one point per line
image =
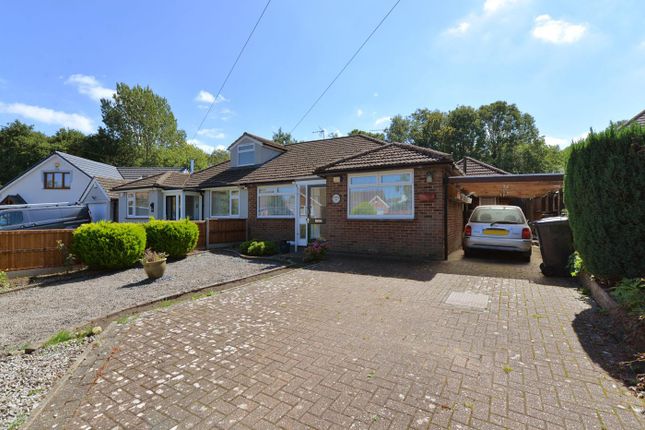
x: 155, y: 269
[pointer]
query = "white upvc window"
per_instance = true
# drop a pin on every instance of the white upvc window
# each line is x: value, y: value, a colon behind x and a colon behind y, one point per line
x: 246, y: 154
x: 278, y: 201
x: 381, y: 195
x: 225, y: 203
x: 138, y: 204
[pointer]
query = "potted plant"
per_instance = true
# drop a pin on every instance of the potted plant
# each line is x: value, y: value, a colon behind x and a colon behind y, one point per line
x: 154, y: 263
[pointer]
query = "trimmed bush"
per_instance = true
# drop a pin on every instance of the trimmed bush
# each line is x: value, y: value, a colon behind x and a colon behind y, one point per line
x: 604, y: 191
x: 259, y: 247
x: 175, y: 238
x: 107, y: 245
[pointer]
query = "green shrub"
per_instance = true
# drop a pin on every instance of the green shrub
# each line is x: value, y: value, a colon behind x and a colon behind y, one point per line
x: 630, y: 293
x: 175, y: 238
x: 575, y: 264
x: 259, y: 247
x: 4, y: 280
x: 605, y: 196
x: 107, y: 245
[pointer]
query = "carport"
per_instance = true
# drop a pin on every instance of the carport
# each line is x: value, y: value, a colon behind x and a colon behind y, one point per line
x: 531, y: 188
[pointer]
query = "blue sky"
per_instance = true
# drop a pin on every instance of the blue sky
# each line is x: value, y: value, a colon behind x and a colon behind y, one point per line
x: 571, y: 64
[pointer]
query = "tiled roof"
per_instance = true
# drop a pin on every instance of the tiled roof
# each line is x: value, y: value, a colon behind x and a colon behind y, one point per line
x: 167, y: 181
x: 109, y: 183
x: 142, y: 172
x: 387, y: 156
x: 638, y: 119
x: 300, y: 161
x: 264, y: 140
x: 472, y: 167
x: 90, y: 167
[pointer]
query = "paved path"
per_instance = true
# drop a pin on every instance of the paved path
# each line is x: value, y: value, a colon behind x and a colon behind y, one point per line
x: 353, y: 344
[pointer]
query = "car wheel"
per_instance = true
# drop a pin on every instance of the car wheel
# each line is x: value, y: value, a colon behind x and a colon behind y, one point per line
x: 468, y: 253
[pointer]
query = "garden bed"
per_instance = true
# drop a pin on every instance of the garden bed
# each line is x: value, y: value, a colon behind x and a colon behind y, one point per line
x: 36, y: 313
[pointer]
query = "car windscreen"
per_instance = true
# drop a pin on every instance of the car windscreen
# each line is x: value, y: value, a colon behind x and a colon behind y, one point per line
x: 498, y: 215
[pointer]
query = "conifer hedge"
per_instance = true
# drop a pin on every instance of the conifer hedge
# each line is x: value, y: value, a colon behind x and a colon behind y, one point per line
x: 604, y: 189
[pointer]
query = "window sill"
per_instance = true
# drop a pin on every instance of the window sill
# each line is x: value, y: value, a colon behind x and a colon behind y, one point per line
x: 380, y: 219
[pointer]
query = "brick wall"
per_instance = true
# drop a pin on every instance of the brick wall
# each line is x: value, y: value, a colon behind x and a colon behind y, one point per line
x: 276, y: 229
x: 455, y: 221
x: 419, y: 237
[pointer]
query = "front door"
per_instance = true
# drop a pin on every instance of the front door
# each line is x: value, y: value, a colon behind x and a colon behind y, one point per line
x: 312, y: 210
x: 317, y: 212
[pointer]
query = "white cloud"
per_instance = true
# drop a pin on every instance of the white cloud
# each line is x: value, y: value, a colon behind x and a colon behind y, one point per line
x: 212, y: 133
x: 375, y: 94
x: 564, y: 142
x: 557, y: 31
x: 226, y: 114
x: 205, y: 97
x: 49, y: 116
x: 204, y: 146
x: 90, y: 86
x: 359, y: 112
x: 460, y: 28
x: 492, y: 6
x: 382, y: 121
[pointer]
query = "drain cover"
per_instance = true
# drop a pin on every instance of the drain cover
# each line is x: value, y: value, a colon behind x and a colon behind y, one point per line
x: 469, y: 300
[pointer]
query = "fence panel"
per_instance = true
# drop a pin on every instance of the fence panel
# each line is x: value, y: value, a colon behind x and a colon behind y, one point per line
x: 227, y: 231
x: 32, y: 249
x: 201, y: 242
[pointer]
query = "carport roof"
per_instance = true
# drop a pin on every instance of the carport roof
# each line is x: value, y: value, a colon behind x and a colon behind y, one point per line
x: 520, y: 185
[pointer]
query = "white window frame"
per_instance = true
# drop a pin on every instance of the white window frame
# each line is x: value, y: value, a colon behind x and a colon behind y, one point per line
x: 230, y: 202
x: 259, y: 192
x: 131, y: 196
x: 379, y: 175
x: 244, y: 148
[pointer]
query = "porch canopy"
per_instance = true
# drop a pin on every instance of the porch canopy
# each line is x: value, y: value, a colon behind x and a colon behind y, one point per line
x: 530, y: 185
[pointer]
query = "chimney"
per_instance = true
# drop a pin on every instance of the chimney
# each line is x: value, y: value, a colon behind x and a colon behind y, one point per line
x: 192, y: 166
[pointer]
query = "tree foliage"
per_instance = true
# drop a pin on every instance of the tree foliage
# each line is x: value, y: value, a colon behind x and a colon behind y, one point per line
x: 497, y: 133
x: 283, y: 137
x: 143, y: 123
x: 605, y: 195
x: 218, y: 156
x: 356, y: 131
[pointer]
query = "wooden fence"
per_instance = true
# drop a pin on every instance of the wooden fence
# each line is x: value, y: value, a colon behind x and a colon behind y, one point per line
x: 32, y: 249
x: 226, y: 231
x: 36, y: 249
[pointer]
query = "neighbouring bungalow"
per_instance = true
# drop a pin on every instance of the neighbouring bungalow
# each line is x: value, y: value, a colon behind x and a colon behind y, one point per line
x: 361, y: 194
x: 66, y: 178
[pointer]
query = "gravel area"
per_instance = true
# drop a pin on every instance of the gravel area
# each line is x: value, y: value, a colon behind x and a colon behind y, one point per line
x: 26, y: 378
x: 34, y: 314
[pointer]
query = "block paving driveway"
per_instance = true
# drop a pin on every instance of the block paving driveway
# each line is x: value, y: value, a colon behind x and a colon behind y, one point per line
x: 354, y: 344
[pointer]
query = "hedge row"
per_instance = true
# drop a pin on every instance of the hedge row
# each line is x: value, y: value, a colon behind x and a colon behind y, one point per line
x: 604, y: 192
x: 107, y: 245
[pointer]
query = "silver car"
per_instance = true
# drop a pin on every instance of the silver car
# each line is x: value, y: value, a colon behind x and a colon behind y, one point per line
x: 497, y: 227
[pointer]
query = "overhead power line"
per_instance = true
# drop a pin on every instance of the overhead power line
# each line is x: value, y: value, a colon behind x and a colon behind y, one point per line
x: 345, y: 66
x: 228, y: 75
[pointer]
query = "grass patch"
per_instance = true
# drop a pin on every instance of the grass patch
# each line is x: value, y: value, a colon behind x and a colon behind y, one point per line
x: 35, y: 391
x: 17, y: 422
x: 60, y: 337
x: 124, y: 319
x: 166, y: 304
x: 371, y: 374
x: 203, y: 295
x: 537, y: 316
x: 507, y: 368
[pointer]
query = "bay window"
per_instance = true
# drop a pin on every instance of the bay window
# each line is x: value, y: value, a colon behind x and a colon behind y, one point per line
x: 225, y: 203
x: 246, y: 154
x: 138, y: 205
x: 277, y: 201
x: 384, y: 195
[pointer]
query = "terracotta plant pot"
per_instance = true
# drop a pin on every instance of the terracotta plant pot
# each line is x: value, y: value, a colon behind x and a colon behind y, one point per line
x: 155, y: 269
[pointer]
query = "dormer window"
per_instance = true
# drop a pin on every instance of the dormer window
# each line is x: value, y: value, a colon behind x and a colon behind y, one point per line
x: 246, y: 154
